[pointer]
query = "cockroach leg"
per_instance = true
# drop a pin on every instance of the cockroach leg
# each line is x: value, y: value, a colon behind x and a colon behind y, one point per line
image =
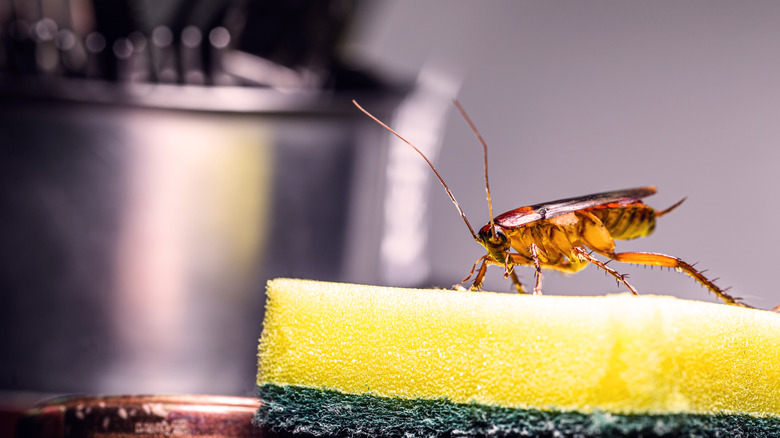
x: 473, y: 267
x: 516, y: 281
x: 657, y: 259
x: 509, y: 269
x: 477, y: 285
x: 621, y: 278
x: 534, y: 250
x: 485, y: 260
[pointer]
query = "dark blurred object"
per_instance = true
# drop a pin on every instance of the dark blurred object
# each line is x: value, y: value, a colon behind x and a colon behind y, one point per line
x: 159, y: 162
x: 13, y: 407
x: 275, y: 44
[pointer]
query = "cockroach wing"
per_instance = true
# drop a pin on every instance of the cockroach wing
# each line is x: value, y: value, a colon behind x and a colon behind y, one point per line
x: 525, y: 215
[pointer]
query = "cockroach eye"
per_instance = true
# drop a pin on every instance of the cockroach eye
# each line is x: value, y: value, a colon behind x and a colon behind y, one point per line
x: 486, y: 234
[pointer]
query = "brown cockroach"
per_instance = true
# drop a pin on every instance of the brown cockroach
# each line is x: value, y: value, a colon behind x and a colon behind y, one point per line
x: 563, y: 235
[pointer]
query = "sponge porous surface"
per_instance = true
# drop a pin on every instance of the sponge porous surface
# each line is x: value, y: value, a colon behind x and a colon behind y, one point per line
x: 616, y: 353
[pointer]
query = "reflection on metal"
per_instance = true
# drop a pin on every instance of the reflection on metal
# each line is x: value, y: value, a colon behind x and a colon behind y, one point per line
x: 421, y: 120
x: 260, y: 71
x: 143, y: 415
x: 171, y: 96
x: 197, y: 209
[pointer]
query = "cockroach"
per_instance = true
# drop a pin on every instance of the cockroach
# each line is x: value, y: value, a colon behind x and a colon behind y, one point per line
x: 564, y: 235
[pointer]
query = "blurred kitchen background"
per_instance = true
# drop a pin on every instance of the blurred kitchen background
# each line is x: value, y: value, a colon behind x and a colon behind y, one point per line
x: 160, y: 160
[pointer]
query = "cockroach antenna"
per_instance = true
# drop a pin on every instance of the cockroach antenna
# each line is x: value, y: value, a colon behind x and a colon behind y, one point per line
x: 485, y: 153
x: 441, y: 180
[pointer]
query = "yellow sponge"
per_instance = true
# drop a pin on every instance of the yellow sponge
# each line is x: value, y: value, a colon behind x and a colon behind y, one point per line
x: 617, y: 354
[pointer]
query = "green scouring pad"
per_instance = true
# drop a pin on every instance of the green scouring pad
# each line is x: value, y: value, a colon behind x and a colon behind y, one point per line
x: 351, y: 360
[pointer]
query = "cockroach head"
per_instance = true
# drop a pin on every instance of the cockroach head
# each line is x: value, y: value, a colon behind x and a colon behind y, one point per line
x: 497, y: 239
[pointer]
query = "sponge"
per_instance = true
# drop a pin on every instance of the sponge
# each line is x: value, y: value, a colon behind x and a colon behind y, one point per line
x: 354, y: 360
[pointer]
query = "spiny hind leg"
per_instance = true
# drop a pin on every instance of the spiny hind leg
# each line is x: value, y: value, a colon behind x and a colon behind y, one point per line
x: 621, y: 278
x: 657, y: 259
